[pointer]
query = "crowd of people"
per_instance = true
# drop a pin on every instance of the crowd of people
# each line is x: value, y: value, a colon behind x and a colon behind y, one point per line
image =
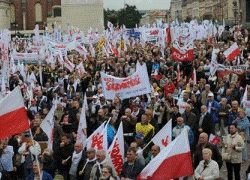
x: 212, y: 105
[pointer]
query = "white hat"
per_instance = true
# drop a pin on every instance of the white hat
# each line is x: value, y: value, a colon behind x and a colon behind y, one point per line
x: 94, y: 97
x: 210, y: 94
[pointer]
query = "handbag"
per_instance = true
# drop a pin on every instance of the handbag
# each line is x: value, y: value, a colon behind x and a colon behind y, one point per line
x: 226, y: 156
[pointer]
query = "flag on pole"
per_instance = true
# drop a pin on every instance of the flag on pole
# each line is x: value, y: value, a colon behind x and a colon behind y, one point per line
x: 82, y: 128
x: 172, y: 162
x: 214, y: 139
x: 95, y: 140
x: 232, y: 52
x: 164, y: 136
x: 48, y: 126
x: 13, y: 115
x: 214, y: 64
x: 116, y: 150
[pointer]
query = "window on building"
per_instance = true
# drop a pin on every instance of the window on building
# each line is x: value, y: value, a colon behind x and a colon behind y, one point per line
x: 12, y: 13
x: 57, y: 12
x: 38, y: 11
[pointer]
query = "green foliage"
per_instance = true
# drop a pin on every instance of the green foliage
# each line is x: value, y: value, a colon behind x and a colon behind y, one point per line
x: 129, y: 16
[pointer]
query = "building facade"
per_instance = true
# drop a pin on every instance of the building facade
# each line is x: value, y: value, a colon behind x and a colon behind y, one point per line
x: 22, y: 15
x: 233, y: 12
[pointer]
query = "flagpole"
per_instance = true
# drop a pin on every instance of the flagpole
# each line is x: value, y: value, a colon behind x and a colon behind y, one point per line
x: 147, y: 145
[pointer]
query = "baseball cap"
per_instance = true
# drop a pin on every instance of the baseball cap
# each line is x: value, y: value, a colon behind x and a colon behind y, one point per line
x: 139, y: 135
x: 210, y: 94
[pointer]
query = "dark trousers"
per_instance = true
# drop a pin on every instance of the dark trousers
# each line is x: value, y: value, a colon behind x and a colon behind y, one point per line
x: 233, y: 167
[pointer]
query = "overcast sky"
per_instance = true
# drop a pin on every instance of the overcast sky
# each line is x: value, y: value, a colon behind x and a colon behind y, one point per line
x: 140, y: 4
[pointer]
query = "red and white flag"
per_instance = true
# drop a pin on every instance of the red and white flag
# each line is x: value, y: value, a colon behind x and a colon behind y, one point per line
x: 232, y: 52
x: 82, y: 128
x: 13, y: 115
x: 69, y: 65
x: 48, y: 126
x: 95, y: 140
x: 172, y: 162
x: 214, y: 139
x: 183, y: 54
x: 116, y: 150
x: 81, y: 49
x: 164, y: 136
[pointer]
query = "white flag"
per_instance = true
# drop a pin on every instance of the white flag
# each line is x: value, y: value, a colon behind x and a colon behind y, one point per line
x: 95, y: 140
x: 80, y: 68
x: 164, y: 136
x: 214, y: 64
x: 48, y: 126
x: 82, y: 128
x: 116, y: 150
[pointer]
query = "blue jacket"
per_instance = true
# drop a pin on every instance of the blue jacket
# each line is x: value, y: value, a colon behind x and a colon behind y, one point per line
x: 243, y: 125
x: 216, y: 105
x: 46, y: 176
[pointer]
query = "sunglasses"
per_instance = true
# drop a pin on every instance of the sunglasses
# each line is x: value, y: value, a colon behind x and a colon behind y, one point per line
x: 105, y: 172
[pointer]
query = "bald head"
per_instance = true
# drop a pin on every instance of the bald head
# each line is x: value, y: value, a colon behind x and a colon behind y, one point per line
x: 203, y: 138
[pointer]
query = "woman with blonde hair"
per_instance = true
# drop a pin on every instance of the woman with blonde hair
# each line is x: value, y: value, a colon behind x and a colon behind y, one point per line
x: 207, y: 169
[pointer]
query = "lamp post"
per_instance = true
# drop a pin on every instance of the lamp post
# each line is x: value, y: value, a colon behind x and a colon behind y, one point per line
x: 235, y: 10
x: 15, y: 25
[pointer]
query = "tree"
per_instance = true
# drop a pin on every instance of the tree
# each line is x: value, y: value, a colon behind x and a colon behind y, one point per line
x: 111, y: 16
x: 129, y: 16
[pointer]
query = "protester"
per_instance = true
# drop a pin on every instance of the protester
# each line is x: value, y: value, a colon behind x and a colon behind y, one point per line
x: 204, y: 144
x: 233, y: 146
x: 38, y: 172
x: 207, y: 168
x: 132, y: 167
x: 101, y: 161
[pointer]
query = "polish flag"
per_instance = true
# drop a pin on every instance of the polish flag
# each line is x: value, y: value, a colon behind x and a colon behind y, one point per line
x: 232, y: 52
x: 116, y: 150
x: 172, y: 162
x: 164, y: 136
x: 13, y: 115
x: 82, y: 128
x: 48, y: 126
x: 214, y: 139
x: 95, y: 140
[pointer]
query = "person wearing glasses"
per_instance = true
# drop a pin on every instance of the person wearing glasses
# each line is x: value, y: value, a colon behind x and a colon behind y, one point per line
x: 106, y: 173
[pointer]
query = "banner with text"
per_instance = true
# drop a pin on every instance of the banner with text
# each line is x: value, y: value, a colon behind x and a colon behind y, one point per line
x: 134, y: 85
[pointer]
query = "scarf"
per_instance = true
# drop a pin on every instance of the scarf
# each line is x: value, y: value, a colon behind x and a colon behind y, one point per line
x: 76, y: 157
x: 99, y: 165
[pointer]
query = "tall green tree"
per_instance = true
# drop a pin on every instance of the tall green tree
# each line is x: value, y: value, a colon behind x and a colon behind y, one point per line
x: 129, y: 16
x: 111, y: 16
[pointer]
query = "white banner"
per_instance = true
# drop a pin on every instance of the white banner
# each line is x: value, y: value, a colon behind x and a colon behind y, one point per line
x: 134, y: 85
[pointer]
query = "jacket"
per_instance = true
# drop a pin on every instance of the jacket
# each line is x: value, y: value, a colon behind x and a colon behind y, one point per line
x: 131, y: 173
x: 216, y: 105
x: 210, y: 172
x: 45, y: 176
x: 236, y: 154
x: 96, y: 168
